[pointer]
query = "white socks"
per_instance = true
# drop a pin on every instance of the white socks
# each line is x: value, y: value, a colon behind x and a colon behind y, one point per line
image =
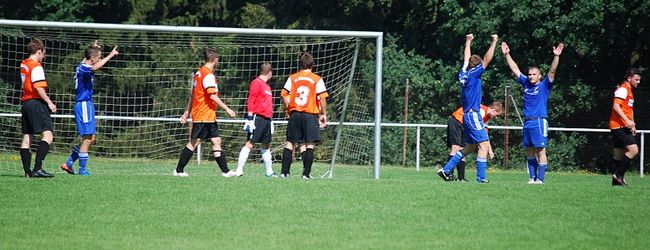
x: 243, y: 156
x: 266, y: 157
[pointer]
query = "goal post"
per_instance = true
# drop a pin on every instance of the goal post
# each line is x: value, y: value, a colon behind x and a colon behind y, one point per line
x: 170, y: 55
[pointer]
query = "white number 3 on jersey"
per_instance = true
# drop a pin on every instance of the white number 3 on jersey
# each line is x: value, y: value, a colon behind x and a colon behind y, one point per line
x: 303, y: 95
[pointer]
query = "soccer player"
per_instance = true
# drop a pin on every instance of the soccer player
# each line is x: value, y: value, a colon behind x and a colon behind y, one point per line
x: 455, y: 133
x: 35, y: 110
x: 202, y: 107
x: 304, y: 95
x: 536, y: 93
x: 84, y: 109
x: 469, y: 78
x: 623, y: 128
x: 259, y: 124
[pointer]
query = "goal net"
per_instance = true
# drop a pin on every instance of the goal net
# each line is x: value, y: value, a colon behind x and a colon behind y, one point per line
x: 140, y: 94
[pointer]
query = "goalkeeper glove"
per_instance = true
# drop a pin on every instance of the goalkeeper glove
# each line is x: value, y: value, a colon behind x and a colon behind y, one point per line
x: 249, y: 125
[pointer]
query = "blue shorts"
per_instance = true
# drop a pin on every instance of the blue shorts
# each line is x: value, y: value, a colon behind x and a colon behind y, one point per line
x: 474, y: 128
x: 84, y: 116
x: 535, y: 133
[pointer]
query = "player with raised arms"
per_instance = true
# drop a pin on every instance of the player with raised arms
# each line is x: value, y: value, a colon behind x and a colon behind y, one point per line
x: 535, y: 102
x: 469, y: 78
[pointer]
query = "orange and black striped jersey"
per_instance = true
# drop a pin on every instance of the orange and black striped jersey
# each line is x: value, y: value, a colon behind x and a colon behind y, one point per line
x: 458, y: 114
x: 32, y: 76
x: 304, y: 90
x: 204, y: 85
x: 624, y: 97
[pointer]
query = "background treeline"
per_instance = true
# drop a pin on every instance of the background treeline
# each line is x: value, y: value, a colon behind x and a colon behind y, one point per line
x: 424, y: 43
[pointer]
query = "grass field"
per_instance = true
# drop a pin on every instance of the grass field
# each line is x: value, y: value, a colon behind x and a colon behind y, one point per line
x: 138, y: 204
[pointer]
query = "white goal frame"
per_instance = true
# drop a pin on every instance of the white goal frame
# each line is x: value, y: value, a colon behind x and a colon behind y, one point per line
x: 378, y: 36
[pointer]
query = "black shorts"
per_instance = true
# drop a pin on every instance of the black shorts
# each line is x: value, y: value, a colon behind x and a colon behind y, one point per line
x: 622, y: 137
x: 35, y: 117
x: 303, y: 127
x: 262, y: 132
x: 204, y: 131
x: 455, y: 133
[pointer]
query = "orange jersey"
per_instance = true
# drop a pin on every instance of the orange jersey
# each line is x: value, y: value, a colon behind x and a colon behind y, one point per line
x: 624, y: 97
x: 304, y: 90
x: 204, y: 85
x: 33, y: 76
x: 458, y: 114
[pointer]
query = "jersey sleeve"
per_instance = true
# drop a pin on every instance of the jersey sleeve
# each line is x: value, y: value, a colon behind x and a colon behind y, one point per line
x: 522, y: 80
x: 621, y: 93
x: 38, y: 77
x: 252, y: 95
x: 287, y: 85
x: 210, y: 82
x: 547, y: 81
x: 320, y: 87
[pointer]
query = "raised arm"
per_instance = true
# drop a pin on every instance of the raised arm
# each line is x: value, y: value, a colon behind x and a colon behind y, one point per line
x: 104, y: 60
x: 468, y: 51
x: 511, y: 63
x: 557, y: 51
x: 490, y: 53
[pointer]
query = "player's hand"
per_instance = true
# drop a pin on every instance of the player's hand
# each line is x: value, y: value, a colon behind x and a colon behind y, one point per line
x: 184, y: 117
x: 558, y: 50
x: 52, y: 107
x: 231, y: 113
x: 469, y: 37
x: 491, y: 154
x: 633, y: 129
x: 322, y: 121
x: 630, y: 124
x: 495, y: 37
x: 504, y: 48
x: 249, y: 125
x: 114, y: 52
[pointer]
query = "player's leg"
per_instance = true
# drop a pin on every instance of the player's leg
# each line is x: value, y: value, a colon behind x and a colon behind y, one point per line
x: 294, y: 135
x: 220, y: 157
x: 312, y: 136
x: 41, y: 152
x: 481, y: 160
x: 287, y: 158
x: 84, y: 148
x: 542, y: 161
x: 26, y: 155
x: 531, y: 163
x: 631, y: 151
x: 68, y: 166
x: 243, y: 156
x: 185, y: 156
x: 41, y: 123
x: 267, y: 159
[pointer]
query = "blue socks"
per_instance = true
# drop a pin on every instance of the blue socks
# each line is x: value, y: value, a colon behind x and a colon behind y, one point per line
x: 83, y: 160
x: 451, y: 164
x: 532, y: 168
x: 481, y: 169
x: 73, y: 156
x: 541, y: 171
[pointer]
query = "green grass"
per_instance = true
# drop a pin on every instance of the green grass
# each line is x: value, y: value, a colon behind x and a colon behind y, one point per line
x: 138, y: 204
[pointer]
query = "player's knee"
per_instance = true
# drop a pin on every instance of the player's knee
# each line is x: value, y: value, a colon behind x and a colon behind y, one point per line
x: 633, y: 150
x: 48, y: 137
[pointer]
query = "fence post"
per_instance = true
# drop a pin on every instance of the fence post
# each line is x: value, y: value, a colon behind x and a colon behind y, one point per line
x: 417, y: 148
x: 642, y: 154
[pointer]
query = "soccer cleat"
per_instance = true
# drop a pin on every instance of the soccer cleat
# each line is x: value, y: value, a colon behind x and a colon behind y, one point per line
x: 181, y: 174
x: 272, y: 175
x: 539, y: 182
x: 68, y: 169
x: 229, y: 174
x: 306, y: 177
x: 617, y: 181
x: 28, y: 174
x: 532, y: 181
x: 461, y: 180
x: 285, y: 175
x: 41, y: 174
x: 84, y: 172
x: 444, y: 176
x: 238, y: 173
x: 483, y: 181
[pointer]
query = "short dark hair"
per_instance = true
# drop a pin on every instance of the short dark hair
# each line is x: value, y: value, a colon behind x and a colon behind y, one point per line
x: 211, y: 54
x: 265, y: 68
x: 34, y: 45
x: 91, y: 51
x: 474, y: 60
x: 535, y: 67
x: 306, y: 60
x: 631, y: 72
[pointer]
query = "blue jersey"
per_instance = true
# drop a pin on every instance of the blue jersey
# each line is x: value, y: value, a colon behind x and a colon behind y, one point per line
x: 535, y: 96
x: 83, y: 82
x: 470, y: 82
